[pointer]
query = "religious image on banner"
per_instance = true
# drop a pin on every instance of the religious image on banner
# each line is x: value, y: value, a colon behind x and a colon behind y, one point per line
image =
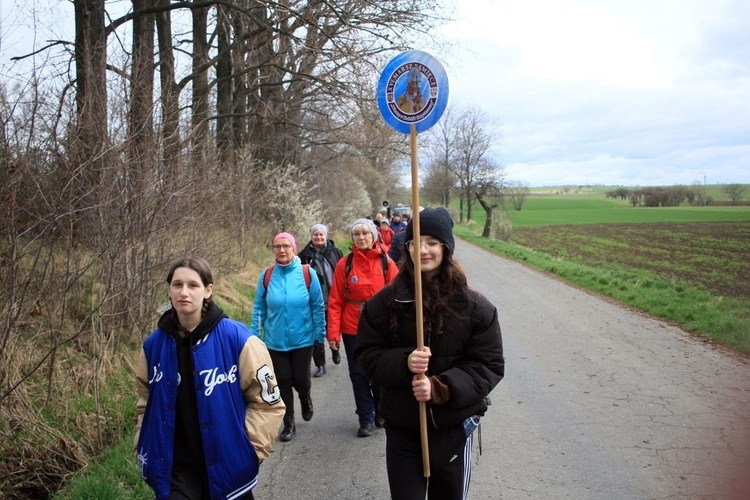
x: 413, y: 90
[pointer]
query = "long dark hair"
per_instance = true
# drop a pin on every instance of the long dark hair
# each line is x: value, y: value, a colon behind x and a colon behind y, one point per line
x: 440, y: 295
x: 201, y: 267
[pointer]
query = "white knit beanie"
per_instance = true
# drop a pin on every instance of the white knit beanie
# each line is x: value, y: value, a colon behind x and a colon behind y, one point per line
x: 367, y: 224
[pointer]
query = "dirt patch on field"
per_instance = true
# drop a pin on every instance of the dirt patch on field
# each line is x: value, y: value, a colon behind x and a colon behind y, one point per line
x: 713, y: 256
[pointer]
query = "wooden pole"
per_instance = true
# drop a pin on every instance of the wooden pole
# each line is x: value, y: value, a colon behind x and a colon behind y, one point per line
x: 418, y: 288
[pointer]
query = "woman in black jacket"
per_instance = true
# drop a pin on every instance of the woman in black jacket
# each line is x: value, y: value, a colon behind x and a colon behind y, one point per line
x: 322, y: 254
x: 462, y: 361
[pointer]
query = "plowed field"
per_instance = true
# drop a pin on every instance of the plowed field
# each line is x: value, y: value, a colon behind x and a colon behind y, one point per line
x: 712, y: 256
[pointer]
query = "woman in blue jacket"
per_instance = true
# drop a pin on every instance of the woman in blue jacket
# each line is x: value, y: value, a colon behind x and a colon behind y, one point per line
x: 208, y: 407
x: 289, y: 316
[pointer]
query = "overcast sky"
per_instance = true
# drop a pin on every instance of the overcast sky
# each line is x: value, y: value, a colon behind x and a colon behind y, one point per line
x: 613, y: 92
x: 637, y: 92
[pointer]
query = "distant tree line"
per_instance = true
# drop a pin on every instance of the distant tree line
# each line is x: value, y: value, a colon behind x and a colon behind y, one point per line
x: 674, y: 196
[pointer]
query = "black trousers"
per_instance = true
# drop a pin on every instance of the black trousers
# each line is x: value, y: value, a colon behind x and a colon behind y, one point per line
x: 292, y: 369
x: 450, y: 463
x: 319, y: 349
x: 188, y: 485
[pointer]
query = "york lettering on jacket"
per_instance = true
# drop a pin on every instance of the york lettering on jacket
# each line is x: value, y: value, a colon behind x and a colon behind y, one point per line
x: 212, y: 378
x: 157, y: 374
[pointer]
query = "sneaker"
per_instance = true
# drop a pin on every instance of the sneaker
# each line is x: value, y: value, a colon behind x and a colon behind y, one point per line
x: 365, y: 430
x: 319, y: 371
x: 336, y: 355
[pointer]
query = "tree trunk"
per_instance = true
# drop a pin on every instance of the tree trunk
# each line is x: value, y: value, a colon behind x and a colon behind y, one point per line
x: 141, y: 120
x: 90, y: 139
x: 141, y: 162
x: 241, y: 87
x: 224, y: 87
x: 200, y: 86
x: 488, y: 221
x: 170, y: 112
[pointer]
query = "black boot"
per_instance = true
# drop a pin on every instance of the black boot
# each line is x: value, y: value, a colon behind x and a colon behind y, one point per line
x: 379, y: 421
x: 336, y: 356
x: 287, y: 433
x: 320, y: 371
x: 307, y: 408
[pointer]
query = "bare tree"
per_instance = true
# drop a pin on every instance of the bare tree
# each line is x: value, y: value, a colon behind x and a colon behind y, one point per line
x: 489, y: 188
x: 437, y: 183
x: 440, y: 177
x: 170, y: 112
x: 90, y: 139
x: 463, y: 142
x: 517, y: 192
x: 735, y: 192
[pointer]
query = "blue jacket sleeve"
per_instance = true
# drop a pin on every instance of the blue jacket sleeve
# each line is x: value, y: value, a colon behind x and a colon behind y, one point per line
x: 259, y: 307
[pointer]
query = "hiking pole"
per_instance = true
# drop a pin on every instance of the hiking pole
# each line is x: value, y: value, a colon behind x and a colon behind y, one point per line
x: 416, y: 248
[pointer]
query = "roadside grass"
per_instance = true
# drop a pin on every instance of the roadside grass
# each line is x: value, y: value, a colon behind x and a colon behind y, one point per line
x: 725, y: 321
x: 114, y: 476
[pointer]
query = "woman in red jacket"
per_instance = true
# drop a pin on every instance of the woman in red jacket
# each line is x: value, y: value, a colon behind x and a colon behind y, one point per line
x: 386, y: 234
x: 357, y: 277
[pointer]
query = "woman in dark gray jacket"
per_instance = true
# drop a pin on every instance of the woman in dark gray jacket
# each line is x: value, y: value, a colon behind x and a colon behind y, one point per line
x: 462, y: 362
x: 322, y: 254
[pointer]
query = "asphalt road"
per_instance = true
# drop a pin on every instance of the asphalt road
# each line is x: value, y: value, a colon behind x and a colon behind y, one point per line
x: 598, y: 402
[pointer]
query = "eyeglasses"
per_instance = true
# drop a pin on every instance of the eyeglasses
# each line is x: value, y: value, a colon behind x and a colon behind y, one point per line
x: 281, y: 247
x: 428, y: 245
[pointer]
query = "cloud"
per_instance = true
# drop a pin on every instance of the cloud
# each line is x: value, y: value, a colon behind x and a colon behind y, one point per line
x: 586, y: 92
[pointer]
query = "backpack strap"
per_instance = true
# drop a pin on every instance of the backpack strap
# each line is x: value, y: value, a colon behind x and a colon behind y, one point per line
x: 266, y: 280
x: 348, y: 269
x: 384, y: 263
x: 267, y: 277
x: 306, y: 274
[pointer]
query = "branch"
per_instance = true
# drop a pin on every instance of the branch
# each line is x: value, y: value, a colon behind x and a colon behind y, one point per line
x: 49, y: 45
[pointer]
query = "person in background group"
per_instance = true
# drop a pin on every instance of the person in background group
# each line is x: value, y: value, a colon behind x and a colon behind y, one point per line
x: 206, y: 396
x: 459, y: 365
x: 289, y: 316
x: 397, y: 225
x: 322, y: 255
x: 396, y: 249
x: 371, y: 269
x: 386, y: 234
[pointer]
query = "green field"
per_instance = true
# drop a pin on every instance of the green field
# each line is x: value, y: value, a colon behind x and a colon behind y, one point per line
x: 687, y: 265
x: 595, y: 208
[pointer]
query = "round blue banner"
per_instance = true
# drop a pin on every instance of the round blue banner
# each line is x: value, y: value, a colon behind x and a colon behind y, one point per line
x: 413, y: 90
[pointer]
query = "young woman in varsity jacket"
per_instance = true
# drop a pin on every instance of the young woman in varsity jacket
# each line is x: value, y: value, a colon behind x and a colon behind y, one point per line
x: 462, y: 362
x: 209, y: 407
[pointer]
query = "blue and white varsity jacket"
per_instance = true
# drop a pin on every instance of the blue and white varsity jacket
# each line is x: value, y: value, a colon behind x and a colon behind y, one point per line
x: 238, y: 403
